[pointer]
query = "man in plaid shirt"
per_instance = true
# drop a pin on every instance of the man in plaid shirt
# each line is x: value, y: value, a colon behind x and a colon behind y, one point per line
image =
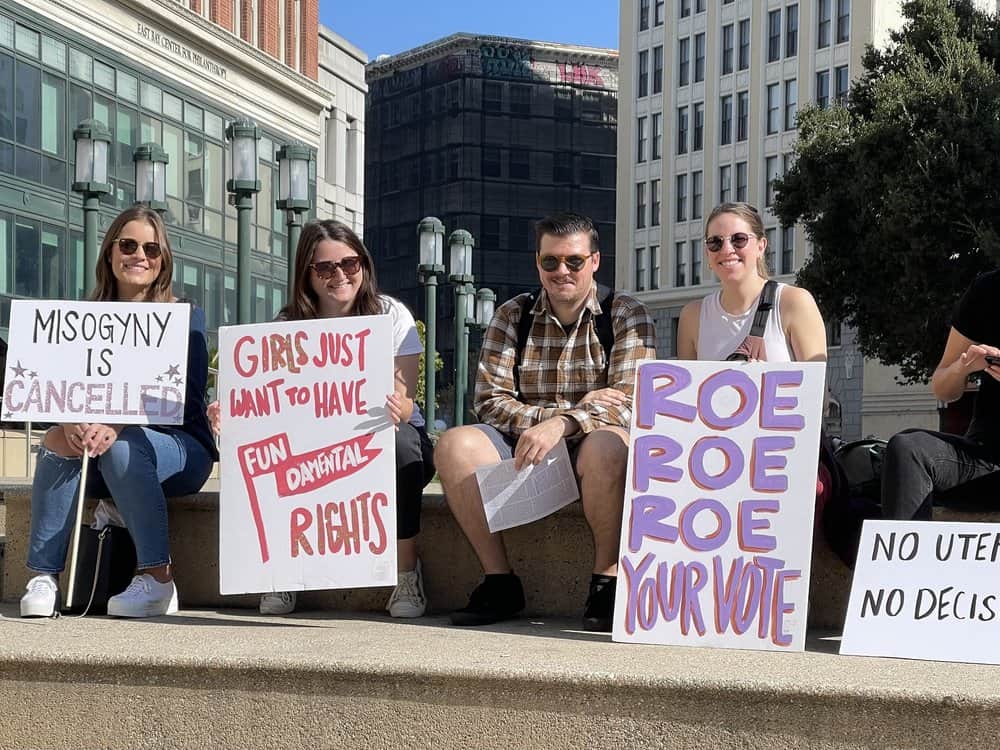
x: 564, y: 389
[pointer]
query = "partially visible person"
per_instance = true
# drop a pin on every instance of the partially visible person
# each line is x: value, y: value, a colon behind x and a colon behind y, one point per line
x: 335, y: 277
x: 137, y: 466
x: 567, y: 388
x: 917, y: 465
x: 718, y: 326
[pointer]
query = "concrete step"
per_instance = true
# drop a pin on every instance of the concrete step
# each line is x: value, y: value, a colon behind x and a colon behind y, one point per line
x: 234, y: 679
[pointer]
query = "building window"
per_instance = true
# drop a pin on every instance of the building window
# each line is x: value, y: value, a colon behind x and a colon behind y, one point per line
x: 682, y: 130
x: 562, y: 103
x: 683, y: 61
x: 562, y: 170
x: 682, y: 198
x: 695, y: 262
x: 492, y: 96
x: 699, y: 6
x: 843, y: 20
x: 741, y: 181
x: 725, y: 184
x: 727, y: 49
x: 833, y: 337
x: 654, y: 203
x: 774, y: 36
x: 770, y: 175
x: 640, y: 269
x: 823, y: 23
x: 742, y: 115
x: 726, y: 120
x: 699, y: 57
x: 640, y: 147
x: 657, y: 134
x: 591, y: 173
x: 744, y: 61
x: 654, y: 266
x: 520, y: 99
x: 640, y: 205
x: 658, y: 12
x: 685, y: 8
x: 773, y: 109
x: 791, y: 31
x: 787, y: 248
x: 842, y: 83
x: 643, y: 15
x: 643, y: 85
x: 791, y: 103
x: 769, y: 234
x: 823, y: 89
x: 657, y: 69
x: 699, y: 127
x: 519, y: 164
x: 679, y: 265
x: 491, y: 162
x: 696, y: 194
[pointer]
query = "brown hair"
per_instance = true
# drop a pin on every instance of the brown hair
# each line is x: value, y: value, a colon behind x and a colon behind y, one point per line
x: 303, y: 303
x: 161, y: 290
x: 750, y: 215
x: 564, y: 225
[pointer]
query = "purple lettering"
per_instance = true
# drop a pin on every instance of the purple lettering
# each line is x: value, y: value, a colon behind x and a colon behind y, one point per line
x: 771, y: 402
x: 652, y: 402
x: 742, y: 384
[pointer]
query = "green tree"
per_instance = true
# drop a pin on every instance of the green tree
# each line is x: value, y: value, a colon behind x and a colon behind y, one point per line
x: 438, y: 365
x: 897, y: 190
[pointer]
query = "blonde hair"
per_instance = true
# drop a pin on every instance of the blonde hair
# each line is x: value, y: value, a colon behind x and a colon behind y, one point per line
x: 749, y: 214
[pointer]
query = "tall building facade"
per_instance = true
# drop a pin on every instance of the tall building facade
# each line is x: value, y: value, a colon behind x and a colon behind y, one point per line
x: 489, y: 134
x: 173, y: 73
x: 708, y: 98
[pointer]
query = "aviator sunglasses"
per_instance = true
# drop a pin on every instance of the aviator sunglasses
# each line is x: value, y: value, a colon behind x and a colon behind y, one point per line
x: 573, y: 262
x: 129, y: 246
x: 738, y: 240
x: 326, y: 268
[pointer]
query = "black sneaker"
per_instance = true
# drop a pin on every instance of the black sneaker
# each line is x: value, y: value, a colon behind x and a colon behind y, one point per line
x: 600, y: 604
x: 498, y: 597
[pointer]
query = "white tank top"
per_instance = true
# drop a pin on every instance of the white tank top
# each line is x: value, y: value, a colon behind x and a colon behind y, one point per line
x: 719, y: 333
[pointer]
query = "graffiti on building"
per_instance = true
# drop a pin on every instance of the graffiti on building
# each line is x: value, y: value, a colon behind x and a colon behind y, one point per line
x: 505, y: 61
x: 401, y: 80
x: 581, y: 75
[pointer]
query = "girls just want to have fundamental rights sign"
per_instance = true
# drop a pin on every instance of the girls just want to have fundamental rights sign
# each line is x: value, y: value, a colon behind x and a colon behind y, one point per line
x: 308, y: 466
x: 719, y: 502
x: 108, y: 362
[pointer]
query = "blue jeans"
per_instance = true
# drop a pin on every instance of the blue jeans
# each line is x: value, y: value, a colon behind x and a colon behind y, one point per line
x: 140, y: 469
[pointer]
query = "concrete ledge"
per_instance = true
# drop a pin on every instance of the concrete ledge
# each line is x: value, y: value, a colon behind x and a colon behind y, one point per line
x: 227, y: 679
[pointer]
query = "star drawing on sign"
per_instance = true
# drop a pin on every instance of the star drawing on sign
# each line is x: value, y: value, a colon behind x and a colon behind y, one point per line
x: 177, y: 381
x: 18, y: 370
x: 8, y: 415
x: 173, y: 370
x: 159, y: 378
x: 32, y: 374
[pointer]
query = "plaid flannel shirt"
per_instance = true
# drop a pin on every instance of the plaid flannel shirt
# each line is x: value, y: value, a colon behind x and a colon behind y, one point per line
x: 560, y: 365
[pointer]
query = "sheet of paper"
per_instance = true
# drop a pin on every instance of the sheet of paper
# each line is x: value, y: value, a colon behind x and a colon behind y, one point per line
x: 513, y: 498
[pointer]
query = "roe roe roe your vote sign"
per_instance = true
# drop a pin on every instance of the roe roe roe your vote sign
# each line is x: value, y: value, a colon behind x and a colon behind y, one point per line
x: 308, y: 464
x: 109, y: 362
x: 719, y: 503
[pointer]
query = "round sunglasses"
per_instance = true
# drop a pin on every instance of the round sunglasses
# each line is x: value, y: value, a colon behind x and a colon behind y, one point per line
x: 129, y: 246
x: 326, y: 268
x: 573, y: 262
x: 738, y: 240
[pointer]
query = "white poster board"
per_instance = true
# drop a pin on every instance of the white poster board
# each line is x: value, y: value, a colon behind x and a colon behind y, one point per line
x: 308, y: 466
x: 106, y: 362
x: 719, y: 502
x: 926, y: 590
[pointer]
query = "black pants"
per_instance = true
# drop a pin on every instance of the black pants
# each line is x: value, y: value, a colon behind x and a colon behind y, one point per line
x: 414, y: 469
x: 919, y: 464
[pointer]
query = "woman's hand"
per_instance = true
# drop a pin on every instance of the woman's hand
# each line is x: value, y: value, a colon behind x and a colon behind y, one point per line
x: 394, y: 407
x: 74, y: 437
x: 93, y: 438
x: 973, y: 359
x: 214, y: 412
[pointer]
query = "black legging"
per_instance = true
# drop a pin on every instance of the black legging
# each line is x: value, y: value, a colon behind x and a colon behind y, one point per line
x: 414, y: 469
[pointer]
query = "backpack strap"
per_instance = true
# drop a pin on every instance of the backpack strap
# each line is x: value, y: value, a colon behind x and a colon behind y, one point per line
x: 764, y: 308
x: 524, y: 324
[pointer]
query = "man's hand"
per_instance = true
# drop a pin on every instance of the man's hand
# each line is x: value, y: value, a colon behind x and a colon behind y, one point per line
x: 607, y: 397
x: 536, y: 442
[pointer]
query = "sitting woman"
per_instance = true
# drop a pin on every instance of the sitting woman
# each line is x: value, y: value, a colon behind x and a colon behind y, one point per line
x: 335, y: 277
x: 718, y: 326
x: 137, y: 466
x: 919, y: 464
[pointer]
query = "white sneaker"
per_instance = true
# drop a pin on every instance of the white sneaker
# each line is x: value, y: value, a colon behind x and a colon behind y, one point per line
x: 40, y: 600
x: 144, y: 597
x: 278, y: 603
x: 408, y: 598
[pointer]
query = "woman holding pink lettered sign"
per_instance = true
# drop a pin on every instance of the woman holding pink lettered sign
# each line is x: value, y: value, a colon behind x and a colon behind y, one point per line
x: 335, y: 278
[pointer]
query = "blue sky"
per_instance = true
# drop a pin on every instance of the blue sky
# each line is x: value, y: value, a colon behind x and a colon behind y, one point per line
x: 391, y: 26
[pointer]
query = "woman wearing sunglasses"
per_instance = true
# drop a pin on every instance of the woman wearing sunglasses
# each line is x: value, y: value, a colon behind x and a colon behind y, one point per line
x: 137, y: 466
x: 335, y: 277
x: 717, y: 327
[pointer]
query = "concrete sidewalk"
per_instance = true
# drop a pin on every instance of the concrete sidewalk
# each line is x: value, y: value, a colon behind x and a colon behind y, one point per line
x: 236, y: 679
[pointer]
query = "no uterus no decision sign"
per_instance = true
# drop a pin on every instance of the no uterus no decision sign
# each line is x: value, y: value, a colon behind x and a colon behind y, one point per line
x: 107, y: 362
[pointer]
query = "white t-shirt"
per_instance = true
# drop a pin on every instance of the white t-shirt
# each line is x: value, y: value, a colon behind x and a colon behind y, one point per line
x: 719, y: 332
x: 405, y: 340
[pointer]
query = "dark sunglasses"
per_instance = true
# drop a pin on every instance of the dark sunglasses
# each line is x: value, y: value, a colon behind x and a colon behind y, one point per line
x: 573, y: 262
x: 738, y: 241
x: 128, y: 246
x: 326, y: 268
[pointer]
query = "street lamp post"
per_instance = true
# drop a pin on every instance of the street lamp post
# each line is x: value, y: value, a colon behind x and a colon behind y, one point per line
x: 150, y: 163
x: 242, y: 186
x: 91, y: 180
x: 431, y: 233
x: 460, y: 243
x: 293, y: 196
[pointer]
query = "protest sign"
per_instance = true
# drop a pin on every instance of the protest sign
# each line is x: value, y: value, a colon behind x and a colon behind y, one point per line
x: 308, y: 467
x: 719, y: 501
x: 926, y: 590
x: 107, y: 362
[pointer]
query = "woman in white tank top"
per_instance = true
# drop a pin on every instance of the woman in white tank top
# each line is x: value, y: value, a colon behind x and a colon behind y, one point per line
x: 715, y: 327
